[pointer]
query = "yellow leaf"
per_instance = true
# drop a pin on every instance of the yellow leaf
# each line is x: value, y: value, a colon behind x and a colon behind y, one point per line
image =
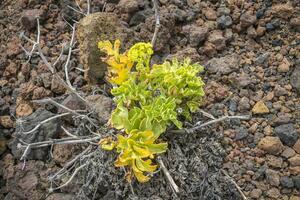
x: 145, y: 166
x: 107, y: 143
x: 141, y: 177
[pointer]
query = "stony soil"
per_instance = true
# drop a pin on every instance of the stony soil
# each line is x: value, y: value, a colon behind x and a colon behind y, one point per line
x: 251, y: 54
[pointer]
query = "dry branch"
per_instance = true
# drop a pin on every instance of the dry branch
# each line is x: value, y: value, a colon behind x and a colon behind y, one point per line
x: 157, y: 22
x: 196, y: 128
x: 168, y: 176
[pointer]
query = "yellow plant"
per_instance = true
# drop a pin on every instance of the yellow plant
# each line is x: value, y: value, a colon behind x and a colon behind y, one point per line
x: 119, y: 64
x: 148, y: 99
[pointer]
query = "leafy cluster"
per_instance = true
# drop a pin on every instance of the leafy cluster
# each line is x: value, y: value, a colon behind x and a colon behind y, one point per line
x: 149, y: 99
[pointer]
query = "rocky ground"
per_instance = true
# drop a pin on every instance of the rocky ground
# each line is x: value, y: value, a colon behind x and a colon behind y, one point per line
x: 251, y: 54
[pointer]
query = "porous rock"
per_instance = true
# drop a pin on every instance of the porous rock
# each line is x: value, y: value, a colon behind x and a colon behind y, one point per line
x: 92, y: 29
x: 223, y: 65
x: 102, y: 106
x: 46, y: 131
x: 272, y: 145
x: 287, y: 134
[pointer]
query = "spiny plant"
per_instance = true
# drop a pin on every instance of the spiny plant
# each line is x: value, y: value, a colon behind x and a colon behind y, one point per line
x: 148, y: 99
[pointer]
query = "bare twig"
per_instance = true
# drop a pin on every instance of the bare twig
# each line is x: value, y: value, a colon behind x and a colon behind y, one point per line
x: 68, y: 164
x: 206, y: 114
x: 78, y: 5
x: 171, y: 181
x: 74, y: 9
x: 70, y: 179
x: 45, y: 121
x: 68, y: 59
x: 157, y: 22
x: 235, y: 184
x: 88, y: 7
x: 196, y: 128
x: 68, y: 133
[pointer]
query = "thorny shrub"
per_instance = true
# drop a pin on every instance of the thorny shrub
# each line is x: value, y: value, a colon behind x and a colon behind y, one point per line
x: 149, y: 99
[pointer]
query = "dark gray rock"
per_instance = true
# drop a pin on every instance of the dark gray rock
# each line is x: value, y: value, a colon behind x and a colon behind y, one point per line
x: 295, y: 79
x: 4, y: 108
x: 242, y: 133
x: 286, y: 182
x: 224, y: 21
x: 46, y: 131
x: 140, y: 17
x: 287, y: 134
x: 29, y: 18
x: 296, y: 180
x: 223, y: 65
x: 260, y: 13
x: 262, y: 59
x: 272, y: 177
x: 195, y: 34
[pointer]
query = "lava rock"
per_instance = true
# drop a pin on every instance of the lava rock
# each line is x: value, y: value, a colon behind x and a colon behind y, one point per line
x: 224, y: 21
x: 97, y: 27
x: 272, y: 145
x: 140, y: 17
x: 260, y: 13
x: 296, y: 147
x: 296, y: 180
x: 210, y: 14
x: 272, y: 177
x: 287, y: 134
x: 46, y: 131
x: 223, y: 11
x: 247, y: 19
x: 286, y: 182
x: 295, y: 160
x: 242, y: 133
x: 102, y: 105
x: 196, y: 34
x: 284, y: 10
x: 295, y: 79
x: 60, y: 196
x: 223, y: 65
x: 128, y: 6
x: 29, y: 18
x: 262, y: 59
x: 217, y: 39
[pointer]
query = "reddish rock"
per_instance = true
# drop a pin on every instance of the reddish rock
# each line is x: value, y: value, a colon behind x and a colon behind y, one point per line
x: 210, y: 14
x: 13, y: 48
x: 208, y: 49
x: 247, y: 19
x: 260, y: 31
x: 40, y: 93
x: 217, y: 39
x: 288, y: 152
x: 11, y: 70
x: 296, y: 146
x: 29, y: 182
x: 295, y: 160
x: 196, y: 34
x: 63, y: 153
